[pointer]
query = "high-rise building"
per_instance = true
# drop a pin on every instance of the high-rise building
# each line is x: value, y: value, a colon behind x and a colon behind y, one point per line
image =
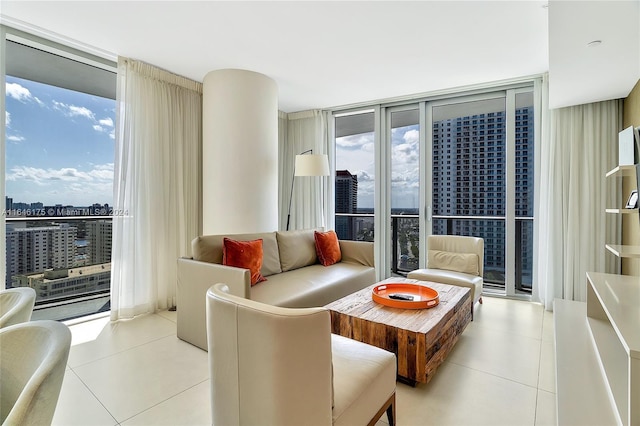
x: 99, y: 236
x: 35, y: 249
x: 346, y: 202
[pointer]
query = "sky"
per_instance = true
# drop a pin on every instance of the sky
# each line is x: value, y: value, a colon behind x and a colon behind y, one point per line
x: 59, y: 145
x: 355, y: 153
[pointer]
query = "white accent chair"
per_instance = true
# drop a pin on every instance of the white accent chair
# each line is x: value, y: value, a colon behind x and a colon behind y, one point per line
x: 282, y: 366
x: 454, y: 260
x: 32, y: 365
x: 16, y: 305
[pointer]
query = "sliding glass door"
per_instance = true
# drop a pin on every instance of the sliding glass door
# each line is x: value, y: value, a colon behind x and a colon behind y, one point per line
x: 482, y: 181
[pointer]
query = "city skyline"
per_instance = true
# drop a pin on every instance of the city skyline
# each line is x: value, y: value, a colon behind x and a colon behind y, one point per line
x: 60, y: 145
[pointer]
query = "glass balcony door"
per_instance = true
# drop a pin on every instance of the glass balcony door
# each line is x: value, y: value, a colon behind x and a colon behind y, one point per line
x: 481, y: 181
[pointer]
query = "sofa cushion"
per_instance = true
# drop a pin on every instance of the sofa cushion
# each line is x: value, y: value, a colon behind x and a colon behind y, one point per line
x: 208, y: 248
x: 244, y: 254
x: 327, y: 247
x: 460, y: 262
x: 297, y: 249
x: 314, y: 285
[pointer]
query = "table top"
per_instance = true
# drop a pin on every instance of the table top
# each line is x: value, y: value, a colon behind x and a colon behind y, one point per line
x: 361, y: 305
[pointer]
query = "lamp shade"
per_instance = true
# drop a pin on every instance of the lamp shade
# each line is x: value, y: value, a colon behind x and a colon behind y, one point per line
x: 312, y: 165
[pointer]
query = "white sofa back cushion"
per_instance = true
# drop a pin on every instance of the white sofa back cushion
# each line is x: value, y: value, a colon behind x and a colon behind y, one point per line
x: 297, y: 249
x: 208, y: 248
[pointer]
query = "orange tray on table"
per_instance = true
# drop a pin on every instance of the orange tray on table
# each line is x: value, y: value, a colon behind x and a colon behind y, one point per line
x: 423, y: 297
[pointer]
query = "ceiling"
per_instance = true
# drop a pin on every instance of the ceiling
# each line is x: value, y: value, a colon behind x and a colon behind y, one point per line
x: 328, y: 54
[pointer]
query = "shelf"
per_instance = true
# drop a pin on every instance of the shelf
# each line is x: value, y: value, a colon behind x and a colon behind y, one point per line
x: 624, y: 251
x: 622, y: 211
x: 623, y: 171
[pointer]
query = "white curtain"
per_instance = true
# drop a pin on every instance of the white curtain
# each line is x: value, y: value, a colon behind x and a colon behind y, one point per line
x: 156, y: 186
x: 304, y: 130
x: 573, y: 193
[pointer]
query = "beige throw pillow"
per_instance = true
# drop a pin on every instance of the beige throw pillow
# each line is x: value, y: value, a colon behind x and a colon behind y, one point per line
x: 458, y: 262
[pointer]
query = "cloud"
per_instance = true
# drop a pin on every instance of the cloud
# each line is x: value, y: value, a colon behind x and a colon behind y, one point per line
x: 104, y: 125
x: 74, y: 111
x: 99, y: 174
x: 412, y: 137
x: 18, y: 92
x: 107, y: 122
x: 354, y: 142
x: 7, y: 119
x: 14, y: 138
x: 81, y: 111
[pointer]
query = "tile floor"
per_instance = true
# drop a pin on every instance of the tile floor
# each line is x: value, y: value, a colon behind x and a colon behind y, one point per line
x: 501, y: 372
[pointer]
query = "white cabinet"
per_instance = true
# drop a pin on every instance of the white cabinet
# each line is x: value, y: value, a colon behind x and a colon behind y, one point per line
x: 598, y: 343
x: 613, y: 316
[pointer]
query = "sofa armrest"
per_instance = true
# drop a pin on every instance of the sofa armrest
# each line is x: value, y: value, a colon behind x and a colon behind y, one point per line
x: 360, y: 252
x: 194, y: 279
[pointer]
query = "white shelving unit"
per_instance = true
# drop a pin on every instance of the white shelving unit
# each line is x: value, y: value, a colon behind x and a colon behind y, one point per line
x: 598, y: 344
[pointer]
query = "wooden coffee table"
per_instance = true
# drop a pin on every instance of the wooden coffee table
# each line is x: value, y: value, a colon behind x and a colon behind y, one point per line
x: 420, y: 338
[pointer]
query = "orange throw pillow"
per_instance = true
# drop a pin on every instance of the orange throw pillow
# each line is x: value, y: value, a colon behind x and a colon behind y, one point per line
x: 327, y: 247
x: 244, y: 254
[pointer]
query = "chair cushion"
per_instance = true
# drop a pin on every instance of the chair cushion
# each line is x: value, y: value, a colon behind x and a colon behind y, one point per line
x: 364, y: 378
x: 460, y: 262
x: 297, y: 249
x: 443, y: 276
x: 327, y: 247
x: 244, y: 254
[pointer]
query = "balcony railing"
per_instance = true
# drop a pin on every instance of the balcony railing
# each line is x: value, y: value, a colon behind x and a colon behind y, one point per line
x: 66, y: 260
x: 405, y: 242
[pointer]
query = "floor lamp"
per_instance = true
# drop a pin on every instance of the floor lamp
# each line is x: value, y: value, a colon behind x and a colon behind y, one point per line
x: 308, y: 164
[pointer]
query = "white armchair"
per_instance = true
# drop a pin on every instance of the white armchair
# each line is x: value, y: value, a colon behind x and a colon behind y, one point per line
x: 454, y: 260
x: 282, y: 366
x: 16, y: 305
x: 32, y: 365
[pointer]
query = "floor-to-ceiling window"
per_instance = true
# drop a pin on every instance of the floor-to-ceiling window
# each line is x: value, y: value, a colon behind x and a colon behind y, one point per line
x: 405, y: 189
x: 476, y: 177
x: 355, y: 176
x: 59, y: 153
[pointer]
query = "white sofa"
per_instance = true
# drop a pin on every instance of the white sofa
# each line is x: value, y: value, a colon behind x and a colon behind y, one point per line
x: 294, y: 278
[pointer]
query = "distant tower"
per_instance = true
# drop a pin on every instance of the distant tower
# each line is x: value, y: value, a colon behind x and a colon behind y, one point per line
x: 346, y: 202
x: 99, y: 233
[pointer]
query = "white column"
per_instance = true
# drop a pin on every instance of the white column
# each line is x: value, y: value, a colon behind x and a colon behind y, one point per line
x: 239, y: 152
